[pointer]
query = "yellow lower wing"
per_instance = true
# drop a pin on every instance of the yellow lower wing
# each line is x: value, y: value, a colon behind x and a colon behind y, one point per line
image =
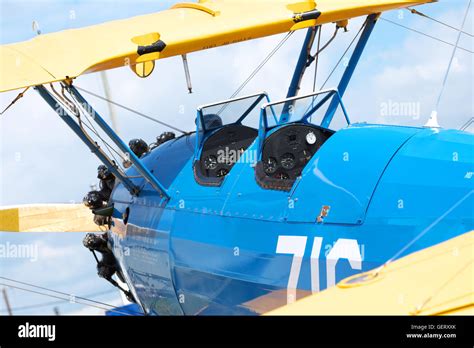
x: 433, y: 281
x: 47, y: 218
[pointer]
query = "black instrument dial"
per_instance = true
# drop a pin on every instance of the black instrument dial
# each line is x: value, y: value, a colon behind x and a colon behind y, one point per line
x: 222, y: 172
x: 291, y: 147
x: 210, y: 162
x: 288, y: 161
x: 270, y: 165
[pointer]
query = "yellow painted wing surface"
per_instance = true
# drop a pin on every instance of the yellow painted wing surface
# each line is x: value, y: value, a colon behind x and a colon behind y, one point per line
x: 47, y: 218
x: 186, y: 27
x: 434, y: 281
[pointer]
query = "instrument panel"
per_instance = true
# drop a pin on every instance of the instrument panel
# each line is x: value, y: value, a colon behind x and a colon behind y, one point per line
x: 221, y: 151
x: 286, y: 152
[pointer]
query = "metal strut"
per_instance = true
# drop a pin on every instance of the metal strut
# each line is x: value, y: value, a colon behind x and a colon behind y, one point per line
x: 147, y: 175
x: 66, y: 117
x: 346, y: 77
x: 303, y: 60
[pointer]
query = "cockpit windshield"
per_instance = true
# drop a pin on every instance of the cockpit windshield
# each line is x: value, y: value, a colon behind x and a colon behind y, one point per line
x: 225, y: 130
x: 243, y: 111
x: 292, y: 131
x: 310, y: 108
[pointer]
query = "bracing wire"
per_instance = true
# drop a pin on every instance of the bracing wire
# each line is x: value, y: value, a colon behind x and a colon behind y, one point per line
x: 343, y: 54
x: 467, y: 124
x: 261, y: 65
x: 54, y: 291
x: 337, y: 65
x: 424, y: 231
x: 452, y: 58
x: 257, y: 69
x: 131, y: 110
x: 53, y: 303
x: 320, y: 50
x: 316, y: 63
x: 412, y: 10
x: 112, y: 308
x: 424, y: 34
x: 75, y: 111
x: 18, y: 97
x: 89, y: 125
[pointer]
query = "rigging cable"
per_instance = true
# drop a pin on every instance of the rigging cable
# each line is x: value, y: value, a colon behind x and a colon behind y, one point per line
x: 261, y: 65
x: 412, y: 10
x: 53, y: 303
x: 91, y: 127
x: 318, y: 51
x: 316, y: 63
x: 131, y: 110
x: 434, y: 113
x: 344, y: 54
x: 112, y: 308
x: 256, y: 70
x: 421, y: 33
x: 423, y: 232
x: 18, y: 97
x: 467, y: 124
x: 337, y: 65
x: 75, y: 111
x: 55, y: 291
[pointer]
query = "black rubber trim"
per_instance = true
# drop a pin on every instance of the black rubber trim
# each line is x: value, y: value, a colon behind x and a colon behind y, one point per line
x: 204, y: 180
x: 270, y: 183
x: 306, y: 16
x: 157, y: 46
x: 107, y: 211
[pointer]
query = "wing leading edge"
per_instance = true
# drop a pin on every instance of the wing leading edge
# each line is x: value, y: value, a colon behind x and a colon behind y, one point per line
x: 47, y: 218
x: 184, y: 28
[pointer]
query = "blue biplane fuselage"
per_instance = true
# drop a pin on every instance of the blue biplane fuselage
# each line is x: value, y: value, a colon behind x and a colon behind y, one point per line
x: 241, y: 249
x: 228, y: 244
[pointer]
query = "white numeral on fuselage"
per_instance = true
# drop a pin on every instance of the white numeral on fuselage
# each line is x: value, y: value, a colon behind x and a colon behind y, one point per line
x: 296, y: 245
x: 292, y: 245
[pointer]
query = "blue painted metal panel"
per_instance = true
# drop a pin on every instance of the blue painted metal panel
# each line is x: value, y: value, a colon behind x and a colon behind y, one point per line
x: 232, y: 267
x: 130, y: 309
x: 344, y: 173
x: 145, y: 257
x: 430, y: 177
x: 200, y: 260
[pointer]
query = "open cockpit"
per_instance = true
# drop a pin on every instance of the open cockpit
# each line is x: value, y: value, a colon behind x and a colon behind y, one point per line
x: 224, y: 132
x: 288, y: 132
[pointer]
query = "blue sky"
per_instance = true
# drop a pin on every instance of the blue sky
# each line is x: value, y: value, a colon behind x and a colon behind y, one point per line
x: 42, y: 162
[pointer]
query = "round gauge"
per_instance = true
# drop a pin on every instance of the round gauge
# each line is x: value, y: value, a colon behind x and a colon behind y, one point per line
x: 210, y: 162
x: 288, y: 161
x: 230, y: 160
x: 282, y: 176
x: 222, y: 172
x: 311, y: 138
x: 270, y: 165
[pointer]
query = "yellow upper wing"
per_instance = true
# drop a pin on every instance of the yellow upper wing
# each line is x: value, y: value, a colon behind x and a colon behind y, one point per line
x: 184, y: 28
x: 434, y: 281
